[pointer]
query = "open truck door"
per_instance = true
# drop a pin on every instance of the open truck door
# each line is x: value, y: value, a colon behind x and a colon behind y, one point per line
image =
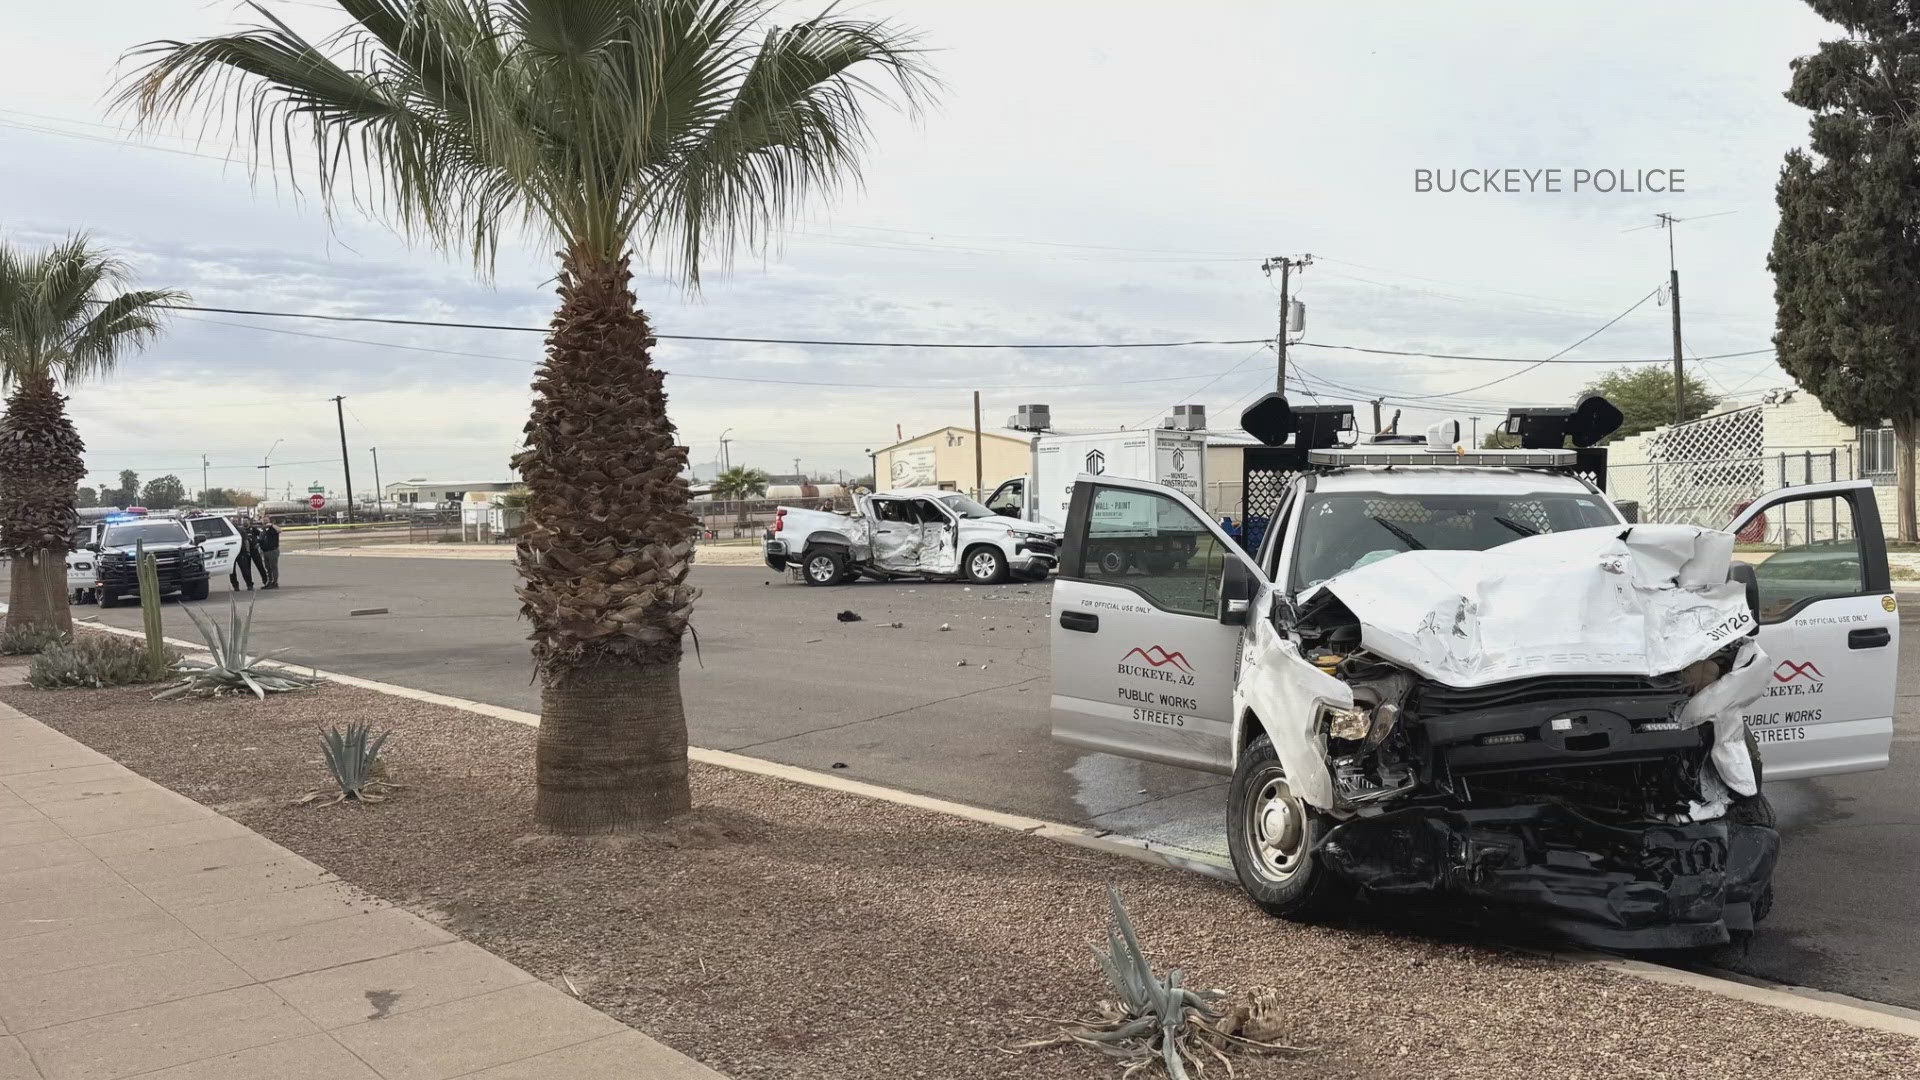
x: 1830, y: 626
x: 1146, y: 645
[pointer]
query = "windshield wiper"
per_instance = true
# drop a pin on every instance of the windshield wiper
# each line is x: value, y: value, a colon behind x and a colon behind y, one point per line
x: 1413, y: 542
x: 1516, y: 526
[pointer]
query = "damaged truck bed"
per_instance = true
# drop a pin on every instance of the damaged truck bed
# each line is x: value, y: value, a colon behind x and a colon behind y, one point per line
x: 1462, y: 674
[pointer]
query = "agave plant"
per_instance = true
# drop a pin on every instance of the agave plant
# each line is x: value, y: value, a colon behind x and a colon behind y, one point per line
x: 1157, y: 1020
x: 231, y: 669
x: 353, y: 756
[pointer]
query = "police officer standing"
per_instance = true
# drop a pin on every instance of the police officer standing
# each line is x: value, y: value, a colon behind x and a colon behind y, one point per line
x: 266, y: 545
x: 244, y: 559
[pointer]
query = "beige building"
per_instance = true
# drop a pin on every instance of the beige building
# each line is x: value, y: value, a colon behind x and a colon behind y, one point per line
x: 944, y: 458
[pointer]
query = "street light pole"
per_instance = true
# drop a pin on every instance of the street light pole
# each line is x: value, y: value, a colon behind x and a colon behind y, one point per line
x: 266, y: 492
x: 379, y: 494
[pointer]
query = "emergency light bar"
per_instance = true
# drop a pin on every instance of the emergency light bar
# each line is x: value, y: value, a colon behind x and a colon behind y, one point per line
x: 1387, y: 454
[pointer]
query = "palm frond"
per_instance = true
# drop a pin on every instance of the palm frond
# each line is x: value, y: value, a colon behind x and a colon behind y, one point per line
x: 57, y: 319
x: 682, y: 126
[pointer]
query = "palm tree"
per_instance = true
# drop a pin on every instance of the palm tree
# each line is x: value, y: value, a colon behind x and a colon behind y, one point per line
x: 607, y: 128
x: 61, y: 320
x: 740, y: 483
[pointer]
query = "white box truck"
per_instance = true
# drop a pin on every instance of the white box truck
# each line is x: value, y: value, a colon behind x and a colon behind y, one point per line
x: 1172, y: 457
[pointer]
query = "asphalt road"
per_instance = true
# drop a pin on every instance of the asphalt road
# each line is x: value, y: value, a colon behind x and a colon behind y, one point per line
x: 961, y: 713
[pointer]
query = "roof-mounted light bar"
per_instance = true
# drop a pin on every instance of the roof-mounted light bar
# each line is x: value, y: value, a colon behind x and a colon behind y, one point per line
x: 1388, y: 454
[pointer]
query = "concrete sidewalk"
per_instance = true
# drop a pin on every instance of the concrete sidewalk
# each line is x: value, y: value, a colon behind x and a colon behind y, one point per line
x: 144, y: 935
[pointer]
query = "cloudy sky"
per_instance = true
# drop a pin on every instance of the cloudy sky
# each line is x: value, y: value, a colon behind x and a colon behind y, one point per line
x: 1109, y: 171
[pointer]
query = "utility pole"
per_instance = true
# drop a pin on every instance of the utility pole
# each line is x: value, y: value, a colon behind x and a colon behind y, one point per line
x: 203, y: 478
x: 1376, y: 415
x: 346, y: 463
x: 1286, y: 266
x: 1667, y: 222
x: 979, y: 469
x: 379, y: 493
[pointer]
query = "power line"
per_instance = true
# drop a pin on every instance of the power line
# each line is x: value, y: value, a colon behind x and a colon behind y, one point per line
x: 719, y: 337
x: 1515, y: 359
x: 686, y: 375
x: 1257, y: 350
x: 1603, y: 327
x: 897, y: 344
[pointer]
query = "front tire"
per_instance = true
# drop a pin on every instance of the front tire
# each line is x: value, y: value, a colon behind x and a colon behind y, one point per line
x: 986, y: 566
x: 197, y: 591
x: 1272, y: 835
x: 108, y: 598
x: 823, y: 566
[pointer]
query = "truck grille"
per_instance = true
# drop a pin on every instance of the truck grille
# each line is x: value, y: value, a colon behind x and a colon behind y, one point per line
x: 1433, y: 699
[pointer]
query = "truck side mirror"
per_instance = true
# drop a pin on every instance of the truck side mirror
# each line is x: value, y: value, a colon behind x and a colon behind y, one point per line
x: 1237, y: 587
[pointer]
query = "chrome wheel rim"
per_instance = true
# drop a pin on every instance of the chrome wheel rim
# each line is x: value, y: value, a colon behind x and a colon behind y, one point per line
x: 1277, y: 824
x: 820, y: 568
x: 983, y: 565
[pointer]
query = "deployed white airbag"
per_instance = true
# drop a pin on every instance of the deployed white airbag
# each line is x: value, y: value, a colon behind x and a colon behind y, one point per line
x: 1620, y: 599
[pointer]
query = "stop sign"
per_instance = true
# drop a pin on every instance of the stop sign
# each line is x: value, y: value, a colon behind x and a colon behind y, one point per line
x: 316, y: 501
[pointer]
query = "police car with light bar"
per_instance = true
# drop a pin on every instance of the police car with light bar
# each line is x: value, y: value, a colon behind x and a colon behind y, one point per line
x: 1461, y: 673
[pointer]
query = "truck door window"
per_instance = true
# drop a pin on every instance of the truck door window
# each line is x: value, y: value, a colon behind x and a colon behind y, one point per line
x: 891, y: 510
x: 1156, y: 547
x: 210, y: 529
x: 1810, y: 552
x: 1006, y: 498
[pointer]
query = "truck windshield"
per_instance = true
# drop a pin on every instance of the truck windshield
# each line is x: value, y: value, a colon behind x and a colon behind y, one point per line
x: 1341, y: 531
x: 966, y: 507
x: 149, y: 532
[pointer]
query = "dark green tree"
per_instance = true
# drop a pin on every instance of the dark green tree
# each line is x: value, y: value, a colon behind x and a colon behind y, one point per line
x: 1846, y: 254
x: 226, y: 497
x: 128, y: 493
x: 86, y: 496
x: 1644, y: 396
x: 163, y: 493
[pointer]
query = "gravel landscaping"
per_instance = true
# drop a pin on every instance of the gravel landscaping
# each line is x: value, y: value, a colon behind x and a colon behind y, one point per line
x: 783, y: 931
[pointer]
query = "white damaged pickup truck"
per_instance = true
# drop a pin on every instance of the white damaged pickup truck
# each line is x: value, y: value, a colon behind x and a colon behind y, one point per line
x: 1462, y: 675
x: 934, y: 535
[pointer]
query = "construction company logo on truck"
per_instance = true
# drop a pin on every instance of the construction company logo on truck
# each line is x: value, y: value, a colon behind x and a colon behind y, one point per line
x: 1096, y: 462
x: 1173, y: 471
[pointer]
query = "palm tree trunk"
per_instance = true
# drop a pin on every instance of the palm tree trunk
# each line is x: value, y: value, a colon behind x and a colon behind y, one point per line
x: 40, y: 470
x: 604, y: 564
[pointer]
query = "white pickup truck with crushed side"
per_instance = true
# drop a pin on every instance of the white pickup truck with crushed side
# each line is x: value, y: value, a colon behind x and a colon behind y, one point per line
x: 1461, y: 677
x: 937, y: 535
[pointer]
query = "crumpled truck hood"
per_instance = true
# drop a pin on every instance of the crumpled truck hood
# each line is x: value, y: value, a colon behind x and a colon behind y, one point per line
x: 1618, y: 599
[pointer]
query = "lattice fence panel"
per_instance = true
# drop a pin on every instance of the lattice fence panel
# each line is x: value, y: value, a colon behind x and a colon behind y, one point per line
x: 1701, y: 473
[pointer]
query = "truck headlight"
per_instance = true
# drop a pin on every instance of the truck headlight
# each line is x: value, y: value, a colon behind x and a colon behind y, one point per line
x: 1363, y: 723
x: 1349, y: 724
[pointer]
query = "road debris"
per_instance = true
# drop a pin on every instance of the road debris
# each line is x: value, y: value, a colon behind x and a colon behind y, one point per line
x: 848, y: 616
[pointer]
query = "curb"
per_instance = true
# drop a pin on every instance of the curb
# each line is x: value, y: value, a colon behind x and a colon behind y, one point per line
x: 1800, y: 999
